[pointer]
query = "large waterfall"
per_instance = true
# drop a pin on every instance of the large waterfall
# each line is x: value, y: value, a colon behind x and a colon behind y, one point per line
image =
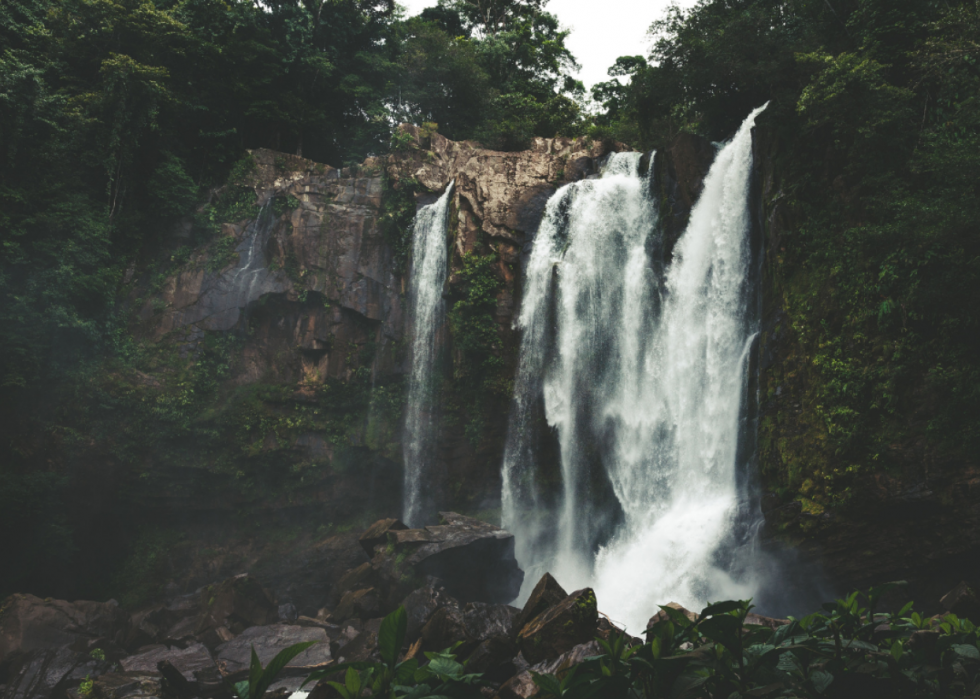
x: 624, y: 467
x: 428, y: 311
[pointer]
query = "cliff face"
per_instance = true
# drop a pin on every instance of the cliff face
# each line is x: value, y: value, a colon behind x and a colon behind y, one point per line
x: 263, y: 416
x: 914, y: 513
x: 304, y: 289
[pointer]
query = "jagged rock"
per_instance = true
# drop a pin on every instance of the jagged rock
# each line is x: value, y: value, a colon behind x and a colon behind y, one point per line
x: 128, y: 685
x: 421, y: 604
x: 522, y: 685
x: 377, y: 534
x: 962, y: 602
x: 234, y: 656
x: 357, y: 578
x: 562, y: 627
x: 493, y: 658
x: 662, y: 615
x: 194, y: 663
x: 444, y: 628
x: 236, y: 604
x: 288, y: 613
x: 474, y: 560
x: 364, y: 646
x: 41, y: 671
x: 483, y: 621
x: 547, y: 593
x: 358, y: 603
x: 28, y: 623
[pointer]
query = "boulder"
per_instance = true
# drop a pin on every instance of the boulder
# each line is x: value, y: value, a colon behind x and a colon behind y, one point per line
x: 377, y: 534
x: 562, y: 627
x: 444, y: 628
x: 41, y: 671
x: 236, y: 604
x: 357, y: 578
x: 482, y: 621
x: 364, y: 646
x: 522, y: 685
x: 362, y: 604
x: 474, y: 560
x: 547, y: 593
x: 493, y: 657
x: 962, y: 602
x: 128, y: 685
x: 194, y: 664
x: 421, y: 604
x: 233, y: 658
x: 29, y: 623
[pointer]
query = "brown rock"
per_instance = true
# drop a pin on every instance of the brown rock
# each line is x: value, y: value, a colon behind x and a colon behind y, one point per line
x: 421, y: 604
x: 547, y: 593
x: 358, y: 603
x: 236, y: 604
x: 962, y: 602
x: 233, y: 658
x: 377, y: 534
x: 483, y: 621
x: 562, y: 627
x: 445, y: 628
x: 520, y: 686
x: 28, y: 623
x: 194, y: 663
x: 357, y: 578
x: 128, y: 685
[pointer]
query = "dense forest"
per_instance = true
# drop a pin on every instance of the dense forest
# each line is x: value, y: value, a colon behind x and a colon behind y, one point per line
x: 120, y: 117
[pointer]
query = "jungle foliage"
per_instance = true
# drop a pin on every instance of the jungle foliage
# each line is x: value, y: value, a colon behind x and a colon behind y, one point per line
x: 874, y: 261
x: 848, y: 649
x: 121, y: 119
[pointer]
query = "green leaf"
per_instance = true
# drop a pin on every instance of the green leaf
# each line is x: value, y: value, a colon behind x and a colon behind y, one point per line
x: 966, y: 651
x: 722, y: 629
x: 897, y: 651
x: 721, y: 608
x: 254, y: 675
x: 548, y: 683
x: 391, y: 636
x: 352, y: 680
x: 241, y: 689
x: 821, y: 680
x: 275, y: 666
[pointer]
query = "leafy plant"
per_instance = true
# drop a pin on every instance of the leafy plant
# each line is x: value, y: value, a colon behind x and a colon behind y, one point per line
x: 259, y: 678
x: 441, y: 678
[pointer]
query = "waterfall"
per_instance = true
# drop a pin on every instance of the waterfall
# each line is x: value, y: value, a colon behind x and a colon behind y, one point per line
x: 636, y: 376
x: 428, y: 311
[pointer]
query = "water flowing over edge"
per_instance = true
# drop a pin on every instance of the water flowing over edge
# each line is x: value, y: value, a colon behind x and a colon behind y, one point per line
x: 427, y: 309
x: 636, y: 377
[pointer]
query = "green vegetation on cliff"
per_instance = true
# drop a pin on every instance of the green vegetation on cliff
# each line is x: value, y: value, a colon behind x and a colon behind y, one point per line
x: 869, y: 148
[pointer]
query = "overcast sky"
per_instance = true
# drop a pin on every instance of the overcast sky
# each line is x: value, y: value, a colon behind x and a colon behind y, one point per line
x: 602, y: 30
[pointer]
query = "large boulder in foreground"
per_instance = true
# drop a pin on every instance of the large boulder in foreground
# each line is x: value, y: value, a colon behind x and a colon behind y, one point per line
x: 29, y: 623
x: 234, y: 656
x: 569, y: 623
x: 473, y: 560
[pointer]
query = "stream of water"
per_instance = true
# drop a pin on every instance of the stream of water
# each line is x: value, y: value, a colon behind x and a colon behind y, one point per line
x: 428, y: 312
x: 625, y: 466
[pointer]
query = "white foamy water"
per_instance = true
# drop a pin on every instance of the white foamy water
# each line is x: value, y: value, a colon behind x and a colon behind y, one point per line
x: 639, y: 374
x: 428, y: 312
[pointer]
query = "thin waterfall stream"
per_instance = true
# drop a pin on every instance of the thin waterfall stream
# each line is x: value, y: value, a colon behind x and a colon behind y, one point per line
x: 428, y: 312
x: 625, y: 463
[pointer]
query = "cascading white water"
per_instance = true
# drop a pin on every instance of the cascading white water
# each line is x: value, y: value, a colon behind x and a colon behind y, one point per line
x: 428, y: 311
x: 641, y: 373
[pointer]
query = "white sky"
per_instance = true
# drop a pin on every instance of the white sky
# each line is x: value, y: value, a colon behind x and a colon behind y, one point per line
x: 602, y: 30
